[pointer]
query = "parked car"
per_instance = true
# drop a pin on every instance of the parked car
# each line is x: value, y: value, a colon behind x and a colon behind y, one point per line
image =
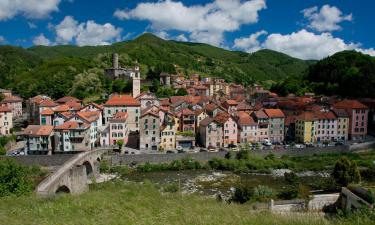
x: 299, y: 146
x: 331, y: 144
x: 169, y: 152
x: 212, y: 149
x: 233, y: 147
x: 203, y: 150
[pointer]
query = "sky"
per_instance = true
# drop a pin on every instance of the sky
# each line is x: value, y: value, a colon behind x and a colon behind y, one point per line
x: 305, y: 29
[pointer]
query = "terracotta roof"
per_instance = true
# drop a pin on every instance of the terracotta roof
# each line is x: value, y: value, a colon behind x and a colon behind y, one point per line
x: 306, y: 116
x: 274, y: 113
x: 187, y: 111
x: 324, y: 115
x: 67, y: 99
x: 89, y: 116
x: 206, y: 121
x: 47, y: 103
x: 71, y: 125
x: 38, y: 130
x: 244, y: 119
x: 260, y: 114
x: 222, y: 117
x: 231, y: 102
x: 73, y: 105
x: 210, y: 107
x: 349, y: 104
x: 62, y: 108
x: 66, y: 114
x: 122, y: 100
x: 289, y: 120
x: 11, y: 99
x: 120, y: 116
x: 5, y: 109
x: 47, y: 112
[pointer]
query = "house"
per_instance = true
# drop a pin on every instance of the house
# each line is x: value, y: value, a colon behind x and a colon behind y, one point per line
x: 325, y: 126
x: 6, y: 120
x: 118, y: 129
x: 93, y: 107
x: 187, y: 120
x: 230, y: 128
x: 14, y: 103
x: 304, y: 127
x: 230, y: 106
x: 211, y: 133
x: 38, y: 140
x: 358, y: 118
x: 165, y: 79
x: 342, y: 124
x: 124, y: 103
x: 32, y: 108
x: 148, y: 99
x: 247, y: 127
x: 47, y: 117
x: 72, y: 136
x: 149, y: 130
x: 199, y: 115
x: 261, y: 118
x: 5, y: 93
x: 93, y: 119
x: 168, y: 131
x: 201, y: 90
x: 276, y: 120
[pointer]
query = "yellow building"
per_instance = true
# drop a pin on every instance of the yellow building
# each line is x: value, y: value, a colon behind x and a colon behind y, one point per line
x: 168, y: 133
x: 304, y: 128
x: 200, y: 115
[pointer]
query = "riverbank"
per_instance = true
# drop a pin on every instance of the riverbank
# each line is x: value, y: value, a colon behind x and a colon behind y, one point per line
x: 130, y: 203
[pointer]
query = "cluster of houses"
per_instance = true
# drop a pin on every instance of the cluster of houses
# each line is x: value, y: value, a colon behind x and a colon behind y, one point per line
x: 215, y: 114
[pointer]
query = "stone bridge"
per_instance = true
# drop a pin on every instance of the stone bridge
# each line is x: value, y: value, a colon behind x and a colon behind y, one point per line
x: 73, y: 176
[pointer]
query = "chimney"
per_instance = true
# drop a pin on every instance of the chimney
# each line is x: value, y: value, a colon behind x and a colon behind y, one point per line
x: 115, y: 60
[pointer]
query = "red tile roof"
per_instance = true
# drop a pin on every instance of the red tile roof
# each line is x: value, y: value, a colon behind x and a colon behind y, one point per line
x: 89, y: 116
x: 324, y: 115
x: 67, y: 99
x: 306, y: 116
x: 222, y: 117
x: 47, y: 112
x: 47, y: 103
x: 38, y: 130
x: 244, y: 119
x: 61, y: 108
x: 11, y: 99
x: 274, y: 113
x: 231, y: 102
x: 120, y: 116
x: 5, y: 109
x: 122, y: 100
x: 71, y: 125
x: 349, y: 104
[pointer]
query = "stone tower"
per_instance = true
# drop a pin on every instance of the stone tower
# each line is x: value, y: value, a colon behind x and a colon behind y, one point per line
x: 136, y: 81
x: 115, y: 61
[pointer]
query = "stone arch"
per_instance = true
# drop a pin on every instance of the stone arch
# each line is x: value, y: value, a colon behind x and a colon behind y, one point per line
x: 98, y: 159
x: 63, y: 189
x: 89, y: 169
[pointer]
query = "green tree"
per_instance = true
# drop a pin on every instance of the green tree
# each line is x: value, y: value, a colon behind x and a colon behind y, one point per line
x: 181, y: 92
x: 120, y: 143
x: 346, y: 172
x: 13, y: 179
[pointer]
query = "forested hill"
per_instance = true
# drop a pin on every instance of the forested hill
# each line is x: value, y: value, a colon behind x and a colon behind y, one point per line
x: 61, y: 70
x: 347, y: 74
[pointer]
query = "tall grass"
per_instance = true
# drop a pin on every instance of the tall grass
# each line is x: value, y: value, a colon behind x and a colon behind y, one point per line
x: 130, y: 203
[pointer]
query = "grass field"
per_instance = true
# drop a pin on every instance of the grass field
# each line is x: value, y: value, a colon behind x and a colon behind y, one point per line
x: 130, y: 203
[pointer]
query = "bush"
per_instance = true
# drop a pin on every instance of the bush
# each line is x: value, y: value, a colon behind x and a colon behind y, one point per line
x: 291, y: 178
x: 242, y: 194
x: 369, y: 174
x: 229, y: 155
x: 243, y: 155
x: 290, y: 192
x: 13, y: 179
x: 263, y: 193
x: 171, y: 187
x: 2, y: 150
x: 346, y: 172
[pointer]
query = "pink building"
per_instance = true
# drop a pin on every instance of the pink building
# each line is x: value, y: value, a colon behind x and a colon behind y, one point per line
x: 118, y: 128
x: 230, y: 130
x: 14, y: 103
x: 358, y: 118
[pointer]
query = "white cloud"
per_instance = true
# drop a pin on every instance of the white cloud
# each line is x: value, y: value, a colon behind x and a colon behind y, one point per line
x: 28, y: 8
x: 2, y: 39
x: 162, y: 34
x: 305, y: 45
x: 88, y: 33
x: 182, y: 37
x: 41, y: 40
x: 327, y: 19
x: 205, y: 23
x: 251, y: 43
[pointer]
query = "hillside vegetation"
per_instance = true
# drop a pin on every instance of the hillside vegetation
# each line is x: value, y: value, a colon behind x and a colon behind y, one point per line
x: 53, y: 70
x: 347, y: 74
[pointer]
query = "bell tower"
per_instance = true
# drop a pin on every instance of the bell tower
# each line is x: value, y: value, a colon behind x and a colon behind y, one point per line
x: 136, y: 81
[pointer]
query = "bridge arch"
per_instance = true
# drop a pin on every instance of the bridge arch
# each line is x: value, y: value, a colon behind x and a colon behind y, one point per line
x: 98, y: 159
x: 63, y: 189
x: 89, y: 169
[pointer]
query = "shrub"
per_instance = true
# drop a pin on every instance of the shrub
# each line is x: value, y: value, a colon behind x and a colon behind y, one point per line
x: 346, y: 172
x: 171, y: 187
x: 13, y: 179
x: 270, y: 156
x: 243, y: 155
x: 229, y: 155
x: 262, y: 192
x: 291, y: 178
x: 369, y: 173
x: 242, y: 194
x: 2, y: 150
x: 290, y: 192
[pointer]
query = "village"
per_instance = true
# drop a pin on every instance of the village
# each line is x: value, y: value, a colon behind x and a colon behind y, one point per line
x: 215, y: 115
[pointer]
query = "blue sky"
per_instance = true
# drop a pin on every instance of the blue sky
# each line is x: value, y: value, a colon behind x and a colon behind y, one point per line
x: 307, y: 29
